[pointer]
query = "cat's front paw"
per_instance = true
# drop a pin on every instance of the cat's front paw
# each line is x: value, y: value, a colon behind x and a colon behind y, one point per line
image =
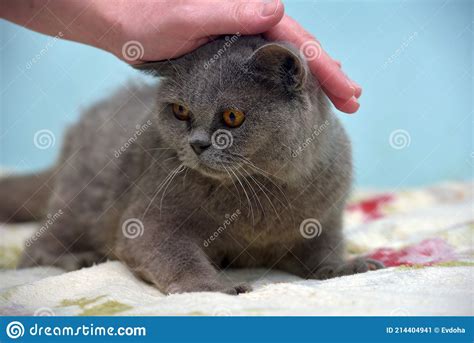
x: 37, y: 256
x: 355, y: 266
x: 207, y: 286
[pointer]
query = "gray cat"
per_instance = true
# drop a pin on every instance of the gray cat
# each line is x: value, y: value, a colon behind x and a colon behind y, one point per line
x: 233, y: 160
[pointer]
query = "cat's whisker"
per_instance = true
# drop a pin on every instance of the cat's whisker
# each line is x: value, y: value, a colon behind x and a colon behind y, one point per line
x: 184, y: 177
x: 177, y: 171
x: 160, y: 186
x: 245, y: 192
x: 264, y: 174
x: 260, y: 171
x: 288, y: 206
x: 263, y: 191
x: 255, y: 195
x: 239, y: 166
x: 245, y: 159
x: 169, y: 158
x: 233, y: 184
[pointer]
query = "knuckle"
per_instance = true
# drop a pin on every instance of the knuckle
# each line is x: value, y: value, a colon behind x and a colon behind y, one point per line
x: 240, y: 11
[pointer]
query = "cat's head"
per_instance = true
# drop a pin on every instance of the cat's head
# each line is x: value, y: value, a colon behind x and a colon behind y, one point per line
x: 237, y: 101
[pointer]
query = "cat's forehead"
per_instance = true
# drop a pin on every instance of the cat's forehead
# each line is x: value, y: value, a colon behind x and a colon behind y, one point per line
x: 205, y: 80
x: 222, y: 59
x: 229, y: 48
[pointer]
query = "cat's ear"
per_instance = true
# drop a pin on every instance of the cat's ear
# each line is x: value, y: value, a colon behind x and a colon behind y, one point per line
x: 279, y: 63
x: 158, y: 69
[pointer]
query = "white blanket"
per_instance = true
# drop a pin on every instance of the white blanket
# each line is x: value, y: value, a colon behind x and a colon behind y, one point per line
x: 434, y: 276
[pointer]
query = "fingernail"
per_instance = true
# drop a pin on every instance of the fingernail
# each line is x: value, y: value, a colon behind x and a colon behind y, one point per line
x: 269, y: 7
x: 355, y: 105
x: 358, y: 89
x: 351, y: 86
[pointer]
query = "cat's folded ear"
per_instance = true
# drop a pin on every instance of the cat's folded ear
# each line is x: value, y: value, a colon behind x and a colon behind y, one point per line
x: 280, y: 64
x: 158, y: 69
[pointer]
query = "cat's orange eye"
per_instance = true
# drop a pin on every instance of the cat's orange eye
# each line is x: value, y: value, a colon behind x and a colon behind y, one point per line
x: 233, y: 117
x: 181, y: 112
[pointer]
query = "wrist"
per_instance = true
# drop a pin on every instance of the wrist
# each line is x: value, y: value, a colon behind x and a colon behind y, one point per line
x: 108, y: 27
x: 92, y: 25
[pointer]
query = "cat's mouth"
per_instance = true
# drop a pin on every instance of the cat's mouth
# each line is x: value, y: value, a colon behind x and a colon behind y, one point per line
x: 221, y: 170
x: 214, y: 167
x: 215, y: 171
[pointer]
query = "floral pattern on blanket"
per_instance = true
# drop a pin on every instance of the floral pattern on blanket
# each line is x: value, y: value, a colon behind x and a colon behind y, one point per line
x: 424, y: 237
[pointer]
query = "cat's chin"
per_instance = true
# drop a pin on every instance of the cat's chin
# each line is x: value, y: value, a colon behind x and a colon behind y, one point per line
x: 212, y: 172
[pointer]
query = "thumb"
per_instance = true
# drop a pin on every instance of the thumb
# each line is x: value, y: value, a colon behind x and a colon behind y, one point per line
x: 246, y: 17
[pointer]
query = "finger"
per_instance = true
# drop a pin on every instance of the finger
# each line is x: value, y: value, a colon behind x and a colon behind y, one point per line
x: 350, y: 105
x: 321, y: 64
x: 245, y: 17
x: 358, y: 89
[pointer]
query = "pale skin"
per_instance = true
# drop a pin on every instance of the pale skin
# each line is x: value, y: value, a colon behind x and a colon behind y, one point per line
x: 171, y: 28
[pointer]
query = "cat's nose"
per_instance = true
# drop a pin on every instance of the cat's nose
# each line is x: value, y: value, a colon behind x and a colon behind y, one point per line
x: 199, y: 146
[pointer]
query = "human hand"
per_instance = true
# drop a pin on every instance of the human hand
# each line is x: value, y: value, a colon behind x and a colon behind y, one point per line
x: 141, y: 31
x: 342, y: 91
x: 184, y: 26
x: 168, y: 29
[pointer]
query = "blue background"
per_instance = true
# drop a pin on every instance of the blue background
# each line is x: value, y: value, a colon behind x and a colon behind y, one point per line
x: 414, y: 60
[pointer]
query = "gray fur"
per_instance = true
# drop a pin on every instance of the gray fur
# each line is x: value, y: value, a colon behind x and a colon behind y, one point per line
x: 295, y: 174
